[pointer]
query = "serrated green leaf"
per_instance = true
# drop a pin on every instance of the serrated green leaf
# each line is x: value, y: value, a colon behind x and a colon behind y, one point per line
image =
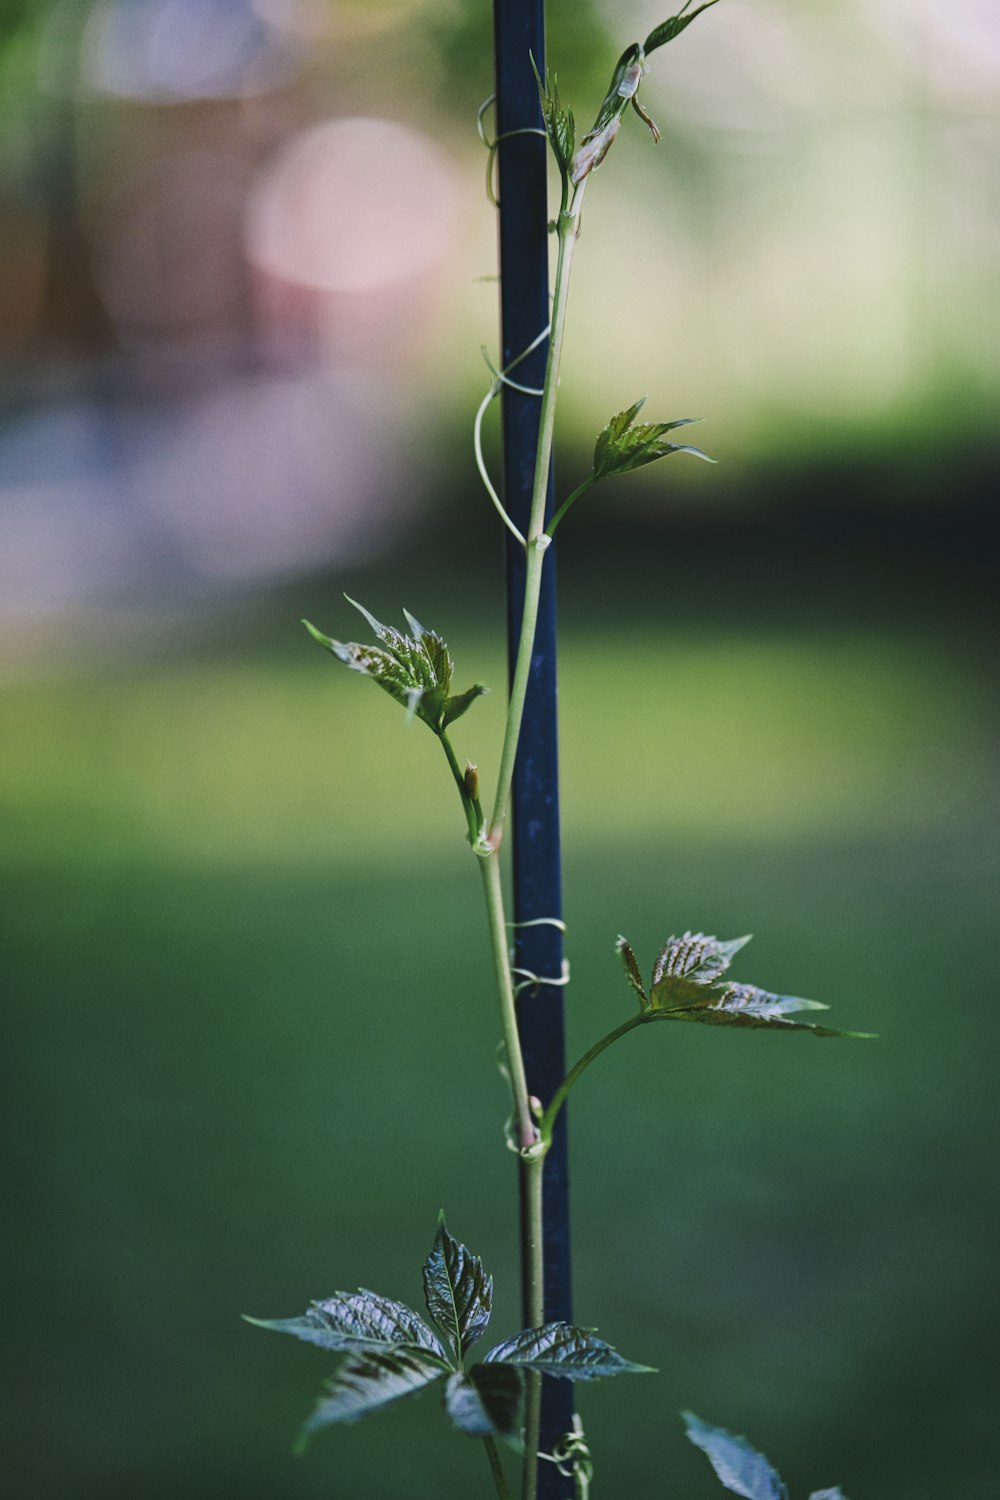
x: 560, y: 1349
x: 632, y: 971
x: 458, y: 705
x: 747, y: 1006
x: 686, y: 987
x: 621, y: 446
x: 748, y: 999
x: 740, y: 1467
x: 369, y: 1382
x: 458, y: 1293
x: 487, y: 1401
x: 667, y: 30
x: 560, y: 126
x: 613, y: 433
x: 697, y: 957
x: 358, y: 1321
x: 414, y: 670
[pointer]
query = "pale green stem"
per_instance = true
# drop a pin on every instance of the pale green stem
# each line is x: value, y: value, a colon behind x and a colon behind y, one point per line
x: 470, y: 805
x: 496, y: 1467
x: 533, y: 1171
x: 559, y: 1097
x: 536, y: 544
x: 537, y: 541
x: 550, y: 529
x: 527, y: 1130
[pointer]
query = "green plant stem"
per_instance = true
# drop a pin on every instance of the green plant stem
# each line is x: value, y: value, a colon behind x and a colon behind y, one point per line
x: 533, y: 1171
x: 550, y: 529
x: 559, y: 1097
x: 496, y: 1467
x: 470, y: 805
x: 537, y: 541
x: 527, y: 1130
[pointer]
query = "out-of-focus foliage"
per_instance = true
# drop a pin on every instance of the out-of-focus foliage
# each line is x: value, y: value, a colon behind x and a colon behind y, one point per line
x: 247, y: 252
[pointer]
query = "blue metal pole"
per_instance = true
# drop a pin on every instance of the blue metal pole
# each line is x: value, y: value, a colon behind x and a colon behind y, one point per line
x: 519, y: 27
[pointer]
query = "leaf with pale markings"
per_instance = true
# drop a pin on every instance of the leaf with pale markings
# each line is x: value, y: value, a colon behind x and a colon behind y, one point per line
x: 687, y: 986
x: 414, y: 669
x: 487, y: 1401
x: 357, y: 1321
x: 366, y: 1383
x: 561, y: 1349
x: 458, y: 1293
x: 632, y: 971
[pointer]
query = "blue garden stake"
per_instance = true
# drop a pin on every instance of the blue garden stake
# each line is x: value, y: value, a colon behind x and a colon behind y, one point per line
x: 519, y: 29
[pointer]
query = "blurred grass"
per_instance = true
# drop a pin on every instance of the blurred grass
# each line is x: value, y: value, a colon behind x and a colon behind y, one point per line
x: 752, y: 734
x: 249, y: 1041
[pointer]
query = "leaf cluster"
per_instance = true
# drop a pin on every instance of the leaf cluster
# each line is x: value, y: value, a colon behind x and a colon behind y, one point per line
x: 623, y: 91
x: 688, y: 985
x: 414, y: 669
x: 391, y: 1352
x: 623, y: 445
x: 560, y: 127
x: 742, y: 1470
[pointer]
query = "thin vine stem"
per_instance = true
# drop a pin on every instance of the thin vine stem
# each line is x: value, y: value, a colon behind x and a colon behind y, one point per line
x: 496, y: 1468
x: 579, y: 1068
x: 537, y: 540
x: 537, y: 543
x: 550, y: 529
x: 536, y: 1316
x: 470, y: 805
x: 527, y: 1130
x: 496, y: 915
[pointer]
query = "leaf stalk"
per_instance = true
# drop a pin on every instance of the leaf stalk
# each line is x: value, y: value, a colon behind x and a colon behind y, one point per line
x: 579, y: 1068
x: 470, y: 805
x: 496, y: 1468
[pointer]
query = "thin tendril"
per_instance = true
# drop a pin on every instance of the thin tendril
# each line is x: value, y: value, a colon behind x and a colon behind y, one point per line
x: 477, y: 442
x: 492, y: 145
x: 500, y: 379
x: 541, y: 922
x: 532, y: 981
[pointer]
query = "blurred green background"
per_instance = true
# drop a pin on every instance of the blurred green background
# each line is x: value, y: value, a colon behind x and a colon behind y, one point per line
x: 249, y: 1028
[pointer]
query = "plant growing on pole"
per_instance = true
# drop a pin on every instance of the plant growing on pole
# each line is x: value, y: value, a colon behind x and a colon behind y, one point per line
x: 387, y: 1349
